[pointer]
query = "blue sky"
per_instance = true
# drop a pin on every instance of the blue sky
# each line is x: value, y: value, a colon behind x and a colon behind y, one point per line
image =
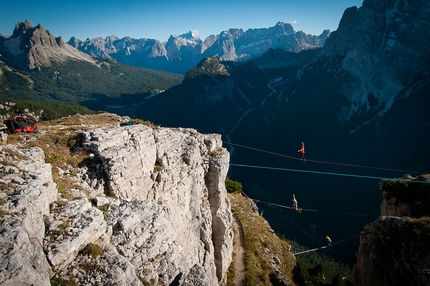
x: 158, y: 19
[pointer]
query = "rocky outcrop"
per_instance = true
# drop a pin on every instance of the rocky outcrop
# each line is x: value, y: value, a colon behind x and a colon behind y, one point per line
x: 406, y: 198
x: 395, y: 249
x: 148, y: 205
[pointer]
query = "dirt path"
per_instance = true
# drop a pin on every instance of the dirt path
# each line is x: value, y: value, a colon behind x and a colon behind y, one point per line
x: 239, y: 253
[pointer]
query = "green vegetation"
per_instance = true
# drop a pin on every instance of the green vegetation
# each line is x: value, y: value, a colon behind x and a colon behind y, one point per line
x: 233, y: 186
x: 45, y: 111
x: 397, y: 189
x: 55, y: 281
x: 316, y: 268
x: 82, y: 83
x: 58, y: 136
x: 261, y: 246
x: 90, y: 265
x: 367, y: 228
x: 415, y: 195
x: 211, y: 66
x: 93, y: 250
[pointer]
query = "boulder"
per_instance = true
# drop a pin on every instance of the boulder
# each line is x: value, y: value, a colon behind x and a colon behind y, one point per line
x: 75, y: 225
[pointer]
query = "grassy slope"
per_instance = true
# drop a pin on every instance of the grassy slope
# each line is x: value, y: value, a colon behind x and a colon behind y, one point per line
x: 261, y: 245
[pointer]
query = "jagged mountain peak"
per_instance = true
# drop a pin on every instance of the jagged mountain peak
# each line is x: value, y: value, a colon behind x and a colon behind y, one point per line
x: 33, y: 47
x: 183, y: 52
x: 285, y: 27
x: 325, y: 34
x: 234, y: 32
x: 282, y: 24
x: 190, y: 35
x: 21, y: 28
x: 188, y: 39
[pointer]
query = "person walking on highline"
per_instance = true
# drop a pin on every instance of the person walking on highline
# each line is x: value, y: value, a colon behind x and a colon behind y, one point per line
x: 295, y: 205
x: 302, y: 152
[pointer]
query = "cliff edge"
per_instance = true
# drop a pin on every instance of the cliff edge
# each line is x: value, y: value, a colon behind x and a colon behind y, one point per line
x: 131, y: 205
x: 395, y: 249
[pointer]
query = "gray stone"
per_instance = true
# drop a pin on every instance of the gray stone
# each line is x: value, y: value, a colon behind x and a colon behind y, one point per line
x: 21, y: 233
x: 155, y: 202
x: 88, y: 225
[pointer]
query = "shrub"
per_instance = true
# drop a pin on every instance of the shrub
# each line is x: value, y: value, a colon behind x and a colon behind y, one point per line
x: 93, y: 250
x: 233, y: 186
x: 56, y: 281
x: 397, y: 188
x: 367, y: 228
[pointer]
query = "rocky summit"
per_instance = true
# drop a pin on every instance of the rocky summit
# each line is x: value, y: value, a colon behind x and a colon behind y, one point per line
x: 142, y: 204
x: 31, y: 47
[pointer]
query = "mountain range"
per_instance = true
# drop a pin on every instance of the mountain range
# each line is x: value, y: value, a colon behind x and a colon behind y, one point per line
x: 183, y: 52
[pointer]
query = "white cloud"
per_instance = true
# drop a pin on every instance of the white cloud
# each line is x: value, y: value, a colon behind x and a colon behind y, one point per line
x: 293, y: 22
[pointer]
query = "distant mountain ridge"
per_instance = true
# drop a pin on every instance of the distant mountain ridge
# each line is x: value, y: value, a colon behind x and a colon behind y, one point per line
x: 181, y: 53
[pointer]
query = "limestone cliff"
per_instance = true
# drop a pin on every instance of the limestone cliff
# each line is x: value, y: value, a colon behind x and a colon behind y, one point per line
x: 132, y: 205
x: 395, y: 249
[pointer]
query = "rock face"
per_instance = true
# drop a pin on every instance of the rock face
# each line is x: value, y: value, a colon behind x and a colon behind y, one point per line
x: 395, y: 250
x: 147, y: 206
x: 27, y: 192
x: 383, y: 48
x: 408, y: 199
